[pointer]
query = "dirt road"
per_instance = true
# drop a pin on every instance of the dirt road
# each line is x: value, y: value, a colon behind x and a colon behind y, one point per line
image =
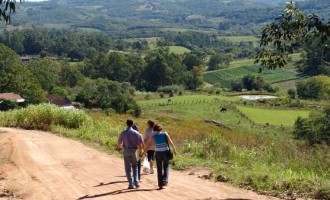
x: 39, y: 165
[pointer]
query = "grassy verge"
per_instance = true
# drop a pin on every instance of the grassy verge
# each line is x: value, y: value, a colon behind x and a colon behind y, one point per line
x: 70, y: 123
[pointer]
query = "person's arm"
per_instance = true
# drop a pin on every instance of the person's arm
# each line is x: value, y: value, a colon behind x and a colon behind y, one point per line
x: 146, y: 137
x: 149, y: 144
x: 120, y: 142
x: 170, y: 142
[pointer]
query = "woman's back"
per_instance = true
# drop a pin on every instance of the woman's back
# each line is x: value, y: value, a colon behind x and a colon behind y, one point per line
x: 161, y: 142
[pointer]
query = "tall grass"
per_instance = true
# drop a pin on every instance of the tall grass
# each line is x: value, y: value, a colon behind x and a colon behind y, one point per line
x: 280, y: 169
x: 70, y: 123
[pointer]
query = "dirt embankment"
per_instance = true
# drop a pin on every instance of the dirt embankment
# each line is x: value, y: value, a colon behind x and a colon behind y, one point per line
x: 39, y: 165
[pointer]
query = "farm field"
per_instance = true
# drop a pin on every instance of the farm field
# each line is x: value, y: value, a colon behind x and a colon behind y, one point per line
x: 272, y: 116
x: 225, y: 76
x: 178, y: 49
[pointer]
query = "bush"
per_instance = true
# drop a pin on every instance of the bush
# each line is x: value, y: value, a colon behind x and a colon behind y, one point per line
x: 171, y: 89
x: 315, y: 129
x: 317, y: 87
x: 7, y: 105
x: 292, y: 93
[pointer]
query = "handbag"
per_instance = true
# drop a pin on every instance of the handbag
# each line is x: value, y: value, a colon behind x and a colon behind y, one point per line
x: 169, y: 153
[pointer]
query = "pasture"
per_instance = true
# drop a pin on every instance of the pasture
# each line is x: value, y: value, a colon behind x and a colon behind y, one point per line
x: 178, y: 49
x: 225, y: 76
x: 273, y: 116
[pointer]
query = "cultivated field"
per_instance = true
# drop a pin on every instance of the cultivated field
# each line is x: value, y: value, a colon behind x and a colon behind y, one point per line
x: 225, y: 76
x: 273, y: 116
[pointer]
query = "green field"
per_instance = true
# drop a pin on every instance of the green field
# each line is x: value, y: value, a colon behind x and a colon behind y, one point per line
x: 273, y: 117
x: 225, y: 76
x: 152, y: 41
x: 178, y: 49
x: 241, y: 62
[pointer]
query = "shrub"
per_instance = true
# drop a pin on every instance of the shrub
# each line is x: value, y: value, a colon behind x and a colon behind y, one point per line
x: 7, y: 105
x: 171, y: 89
x: 292, y: 93
x: 315, y: 129
x: 317, y: 87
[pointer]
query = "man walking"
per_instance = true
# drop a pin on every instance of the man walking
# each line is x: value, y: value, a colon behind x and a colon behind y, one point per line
x: 131, y: 140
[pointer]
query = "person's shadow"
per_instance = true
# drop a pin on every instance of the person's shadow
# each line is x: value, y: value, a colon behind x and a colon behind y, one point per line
x: 110, y: 183
x: 114, y: 193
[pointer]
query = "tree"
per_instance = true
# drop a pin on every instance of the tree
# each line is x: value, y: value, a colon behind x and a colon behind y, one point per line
x: 17, y: 78
x: 317, y: 87
x: 191, y: 60
x: 315, y: 129
x: 219, y: 61
x: 7, y: 7
x: 47, y: 73
x: 291, y: 31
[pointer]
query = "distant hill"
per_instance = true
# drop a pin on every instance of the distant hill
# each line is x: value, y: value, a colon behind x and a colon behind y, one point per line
x: 150, y: 17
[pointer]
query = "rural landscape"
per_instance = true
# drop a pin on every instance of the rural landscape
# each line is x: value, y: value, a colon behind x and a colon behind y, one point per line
x: 241, y: 86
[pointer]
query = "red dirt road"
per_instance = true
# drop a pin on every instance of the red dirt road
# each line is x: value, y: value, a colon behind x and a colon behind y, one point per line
x: 39, y: 165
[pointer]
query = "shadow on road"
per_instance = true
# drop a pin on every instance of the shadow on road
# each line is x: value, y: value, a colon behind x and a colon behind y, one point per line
x: 110, y: 183
x: 113, y: 193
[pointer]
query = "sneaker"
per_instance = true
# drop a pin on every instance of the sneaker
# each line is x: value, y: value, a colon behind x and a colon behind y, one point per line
x: 152, y: 171
x: 130, y: 187
x: 145, y: 170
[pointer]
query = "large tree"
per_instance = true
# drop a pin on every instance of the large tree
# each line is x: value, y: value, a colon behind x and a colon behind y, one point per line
x: 293, y: 30
x: 17, y: 78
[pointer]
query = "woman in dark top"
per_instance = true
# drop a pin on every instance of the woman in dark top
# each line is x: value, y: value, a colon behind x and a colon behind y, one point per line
x: 162, y: 141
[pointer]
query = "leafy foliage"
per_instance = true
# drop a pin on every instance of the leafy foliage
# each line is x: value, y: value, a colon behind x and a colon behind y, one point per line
x: 315, y: 129
x: 17, y: 78
x: 317, y: 87
x: 289, y: 32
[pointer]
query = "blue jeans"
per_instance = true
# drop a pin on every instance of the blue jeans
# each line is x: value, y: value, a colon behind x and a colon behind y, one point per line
x: 131, y: 163
x: 162, y: 167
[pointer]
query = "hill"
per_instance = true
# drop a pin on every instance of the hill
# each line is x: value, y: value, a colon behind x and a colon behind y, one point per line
x: 150, y: 18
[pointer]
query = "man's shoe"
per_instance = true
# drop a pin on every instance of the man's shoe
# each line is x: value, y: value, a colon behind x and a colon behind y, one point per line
x: 130, y: 187
x: 152, y: 171
x: 165, y: 183
x: 137, y: 186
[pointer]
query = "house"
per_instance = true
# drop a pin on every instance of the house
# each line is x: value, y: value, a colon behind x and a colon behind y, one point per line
x: 25, y: 58
x: 60, y: 101
x: 12, y: 97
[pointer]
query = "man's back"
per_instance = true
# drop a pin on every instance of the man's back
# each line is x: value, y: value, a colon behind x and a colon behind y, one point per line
x: 131, y: 138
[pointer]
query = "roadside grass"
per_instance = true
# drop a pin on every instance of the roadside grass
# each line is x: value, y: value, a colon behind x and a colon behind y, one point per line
x: 273, y: 116
x: 178, y: 49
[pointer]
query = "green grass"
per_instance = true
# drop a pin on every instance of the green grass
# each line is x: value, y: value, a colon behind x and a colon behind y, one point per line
x: 225, y: 76
x: 241, y: 62
x: 178, y: 49
x: 272, y: 116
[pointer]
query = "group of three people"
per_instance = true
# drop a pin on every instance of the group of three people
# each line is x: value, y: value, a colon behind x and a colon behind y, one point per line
x: 156, y: 141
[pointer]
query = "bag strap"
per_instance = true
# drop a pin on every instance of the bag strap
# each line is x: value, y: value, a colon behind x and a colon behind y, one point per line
x: 167, y: 141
